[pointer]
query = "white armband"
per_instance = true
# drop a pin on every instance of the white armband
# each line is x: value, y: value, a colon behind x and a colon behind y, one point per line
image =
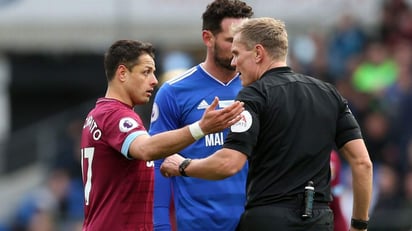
x: 196, y: 131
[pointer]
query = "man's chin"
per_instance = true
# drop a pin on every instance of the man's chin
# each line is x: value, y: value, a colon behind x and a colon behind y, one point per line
x: 143, y: 101
x: 225, y: 64
x: 229, y: 67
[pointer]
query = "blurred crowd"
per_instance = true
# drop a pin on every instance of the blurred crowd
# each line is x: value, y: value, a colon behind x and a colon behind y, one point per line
x: 371, y: 67
x: 57, y: 203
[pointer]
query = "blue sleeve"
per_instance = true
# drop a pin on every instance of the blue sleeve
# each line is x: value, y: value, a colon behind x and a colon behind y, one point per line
x: 162, y: 199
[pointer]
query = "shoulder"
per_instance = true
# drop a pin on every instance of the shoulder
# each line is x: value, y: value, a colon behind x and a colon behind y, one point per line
x: 184, y: 80
x: 184, y: 77
x: 114, y: 112
x: 253, y: 96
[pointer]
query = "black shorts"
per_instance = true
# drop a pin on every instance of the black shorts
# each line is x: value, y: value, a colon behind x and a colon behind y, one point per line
x: 272, y: 218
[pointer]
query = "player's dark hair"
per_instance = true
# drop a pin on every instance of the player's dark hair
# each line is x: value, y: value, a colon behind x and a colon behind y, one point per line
x: 220, y: 9
x: 126, y: 52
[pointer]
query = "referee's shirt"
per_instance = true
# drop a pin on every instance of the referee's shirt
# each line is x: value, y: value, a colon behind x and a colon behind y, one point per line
x: 290, y: 124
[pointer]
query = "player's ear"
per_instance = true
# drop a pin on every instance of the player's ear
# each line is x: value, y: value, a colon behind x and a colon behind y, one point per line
x: 208, y: 38
x: 121, y: 72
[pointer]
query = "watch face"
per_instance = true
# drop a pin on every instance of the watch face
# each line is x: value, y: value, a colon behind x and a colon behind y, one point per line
x: 183, y: 166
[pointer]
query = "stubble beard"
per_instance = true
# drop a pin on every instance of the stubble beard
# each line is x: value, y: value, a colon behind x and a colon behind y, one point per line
x: 223, y: 62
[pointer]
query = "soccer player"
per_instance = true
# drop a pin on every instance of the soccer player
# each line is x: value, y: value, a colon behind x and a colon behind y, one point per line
x: 201, y: 204
x: 116, y: 149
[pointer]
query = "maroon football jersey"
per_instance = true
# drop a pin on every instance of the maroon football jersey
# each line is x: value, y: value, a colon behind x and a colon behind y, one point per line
x: 118, y: 190
x: 340, y: 223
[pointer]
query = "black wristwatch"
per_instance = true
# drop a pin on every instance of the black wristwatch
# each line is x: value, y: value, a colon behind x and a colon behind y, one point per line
x: 359, y: 224
x: 183, y: 166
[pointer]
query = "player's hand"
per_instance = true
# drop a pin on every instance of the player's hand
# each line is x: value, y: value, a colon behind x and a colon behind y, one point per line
x: 170, y: 166
x: 215, y: 120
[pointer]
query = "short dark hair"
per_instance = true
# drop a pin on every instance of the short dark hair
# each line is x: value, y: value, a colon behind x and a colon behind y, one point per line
x: 126, y: 52
x: 220, y: 9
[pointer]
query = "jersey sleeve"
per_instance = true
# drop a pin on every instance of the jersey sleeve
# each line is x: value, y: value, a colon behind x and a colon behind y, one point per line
x: 164, y: 118
x: 121, y: 128
x: 347, y: 128
x: 243, y: 135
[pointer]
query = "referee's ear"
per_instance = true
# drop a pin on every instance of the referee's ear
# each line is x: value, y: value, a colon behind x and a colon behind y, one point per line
x: 259, y: 53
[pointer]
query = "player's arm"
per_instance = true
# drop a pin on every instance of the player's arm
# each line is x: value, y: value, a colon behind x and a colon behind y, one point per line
x: 164, y: 144
x: 222, y: 164
x: 227, y: 161
x: 356, y: 154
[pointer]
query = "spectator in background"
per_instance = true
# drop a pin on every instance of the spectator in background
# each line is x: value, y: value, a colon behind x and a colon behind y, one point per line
x: 180, y: 102
x: 378, y: 137
x: 377, y: 71
x: 388, y: 200
x: 347, y: 41
x: 405, y: 129
x: 42, y: 221
x: 41, y: 209
x: 68, y: 157
x: 392, y: 96
x: 394, y: 21
x: 397, y: 101
x: 308, y: 55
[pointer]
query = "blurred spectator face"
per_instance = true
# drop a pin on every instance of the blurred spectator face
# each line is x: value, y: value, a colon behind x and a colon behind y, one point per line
x: 376, y: 53
x: 41, y: 221
x: 403, y: 57
x: 59, y: 183
x: 408, y: 186
x: 376, y: 126
x: 387, y: 182
x: 405, y: 24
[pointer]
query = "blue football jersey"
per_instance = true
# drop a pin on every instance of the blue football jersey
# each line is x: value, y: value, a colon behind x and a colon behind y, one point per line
x: 199, y: 204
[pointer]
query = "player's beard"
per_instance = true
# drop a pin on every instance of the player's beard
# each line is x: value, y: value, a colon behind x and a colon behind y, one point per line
x: 221, y: 61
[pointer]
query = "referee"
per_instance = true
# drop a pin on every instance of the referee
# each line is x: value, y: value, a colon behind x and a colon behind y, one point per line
x: 289, y: 127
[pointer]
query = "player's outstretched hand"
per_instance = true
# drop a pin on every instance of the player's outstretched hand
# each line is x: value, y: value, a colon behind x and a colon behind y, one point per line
x: 215, y: 120
x: 170, y: 166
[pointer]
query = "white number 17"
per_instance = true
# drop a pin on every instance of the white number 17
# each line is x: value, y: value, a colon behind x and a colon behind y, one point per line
x: 87, y: 153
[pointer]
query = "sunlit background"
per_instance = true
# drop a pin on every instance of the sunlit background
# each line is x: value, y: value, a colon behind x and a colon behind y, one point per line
x: 51, y: 72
